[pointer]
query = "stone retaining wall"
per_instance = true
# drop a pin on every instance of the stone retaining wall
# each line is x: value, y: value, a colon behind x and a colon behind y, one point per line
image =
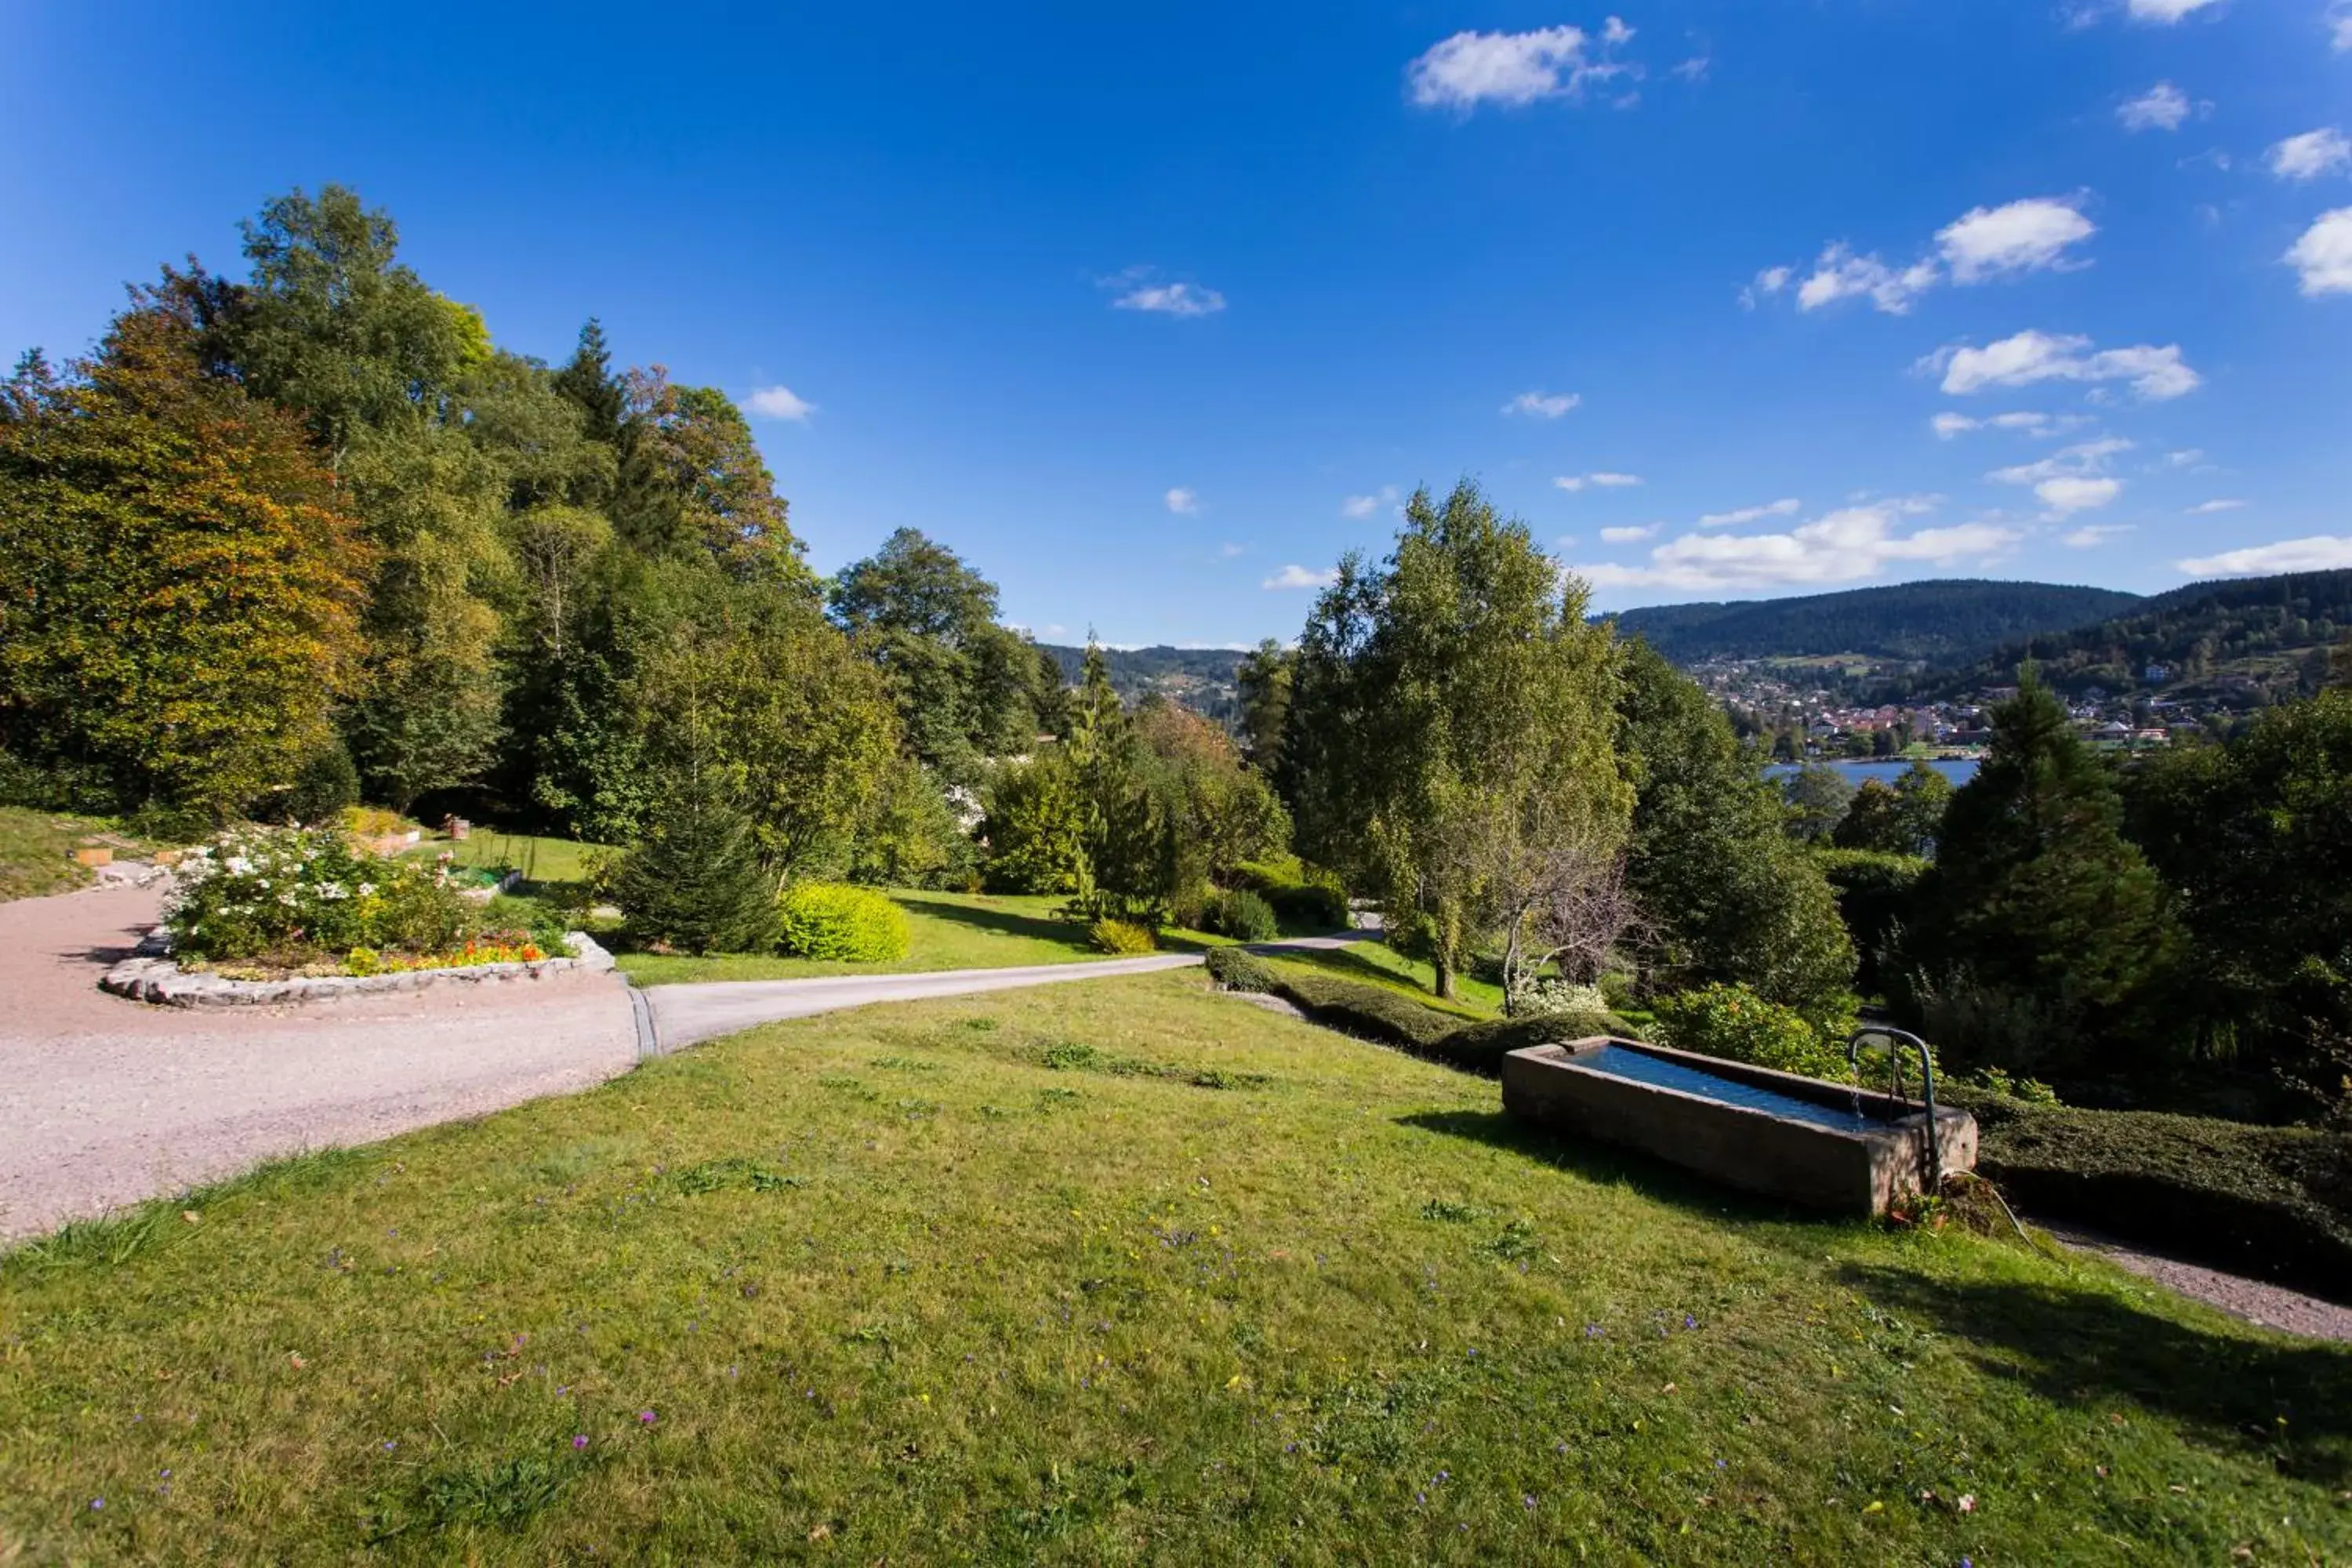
x: 150, y: 975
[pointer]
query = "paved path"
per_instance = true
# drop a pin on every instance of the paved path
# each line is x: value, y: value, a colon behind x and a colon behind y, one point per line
x: 104, y: 1101
x: 685, y: 1015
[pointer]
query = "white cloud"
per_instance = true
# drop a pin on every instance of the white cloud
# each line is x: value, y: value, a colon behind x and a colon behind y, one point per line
x: 1853, y: 543
x: 2320, y: 553
x: 1183, y: 501
x: 1227, y: 552
x: 1573, y: 482
x: 1770, y: 281
x: 2325, y: 150
x: 2063, y: 496
x: 1947, y: 425
x: 2165, y: 11
x: 1694, y: 69
x: 1982, y: 245
x: 1543, y: 405
x: 2339, y: 21
x: 1514, y: 69
x: 2183, y: 457
x: 1168, y: 299
x: 2096, y: 535
x: 1627, y: 535
x: 2323, y: 257
x: 2154, y: 373
x: 2021, y: 236
x: 1300, y: 577
x: 2068, y: 462
x: 1362, y: 507
x: 2208, y: 508
x: 2161, y: 107
x: 779, y: 403
x: 1839, y: 274
x: 2071, y: 480
x: 1785, y: 507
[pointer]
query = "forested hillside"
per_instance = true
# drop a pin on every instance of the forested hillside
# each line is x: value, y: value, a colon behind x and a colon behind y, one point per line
x: 2268, y: 637
x: 1937, y: 622
x: 1200, y: 679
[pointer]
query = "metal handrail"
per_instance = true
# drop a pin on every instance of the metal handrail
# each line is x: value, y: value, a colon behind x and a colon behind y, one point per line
x: 1894, y: 1039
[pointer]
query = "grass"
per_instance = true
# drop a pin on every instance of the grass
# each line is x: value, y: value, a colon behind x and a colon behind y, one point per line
x: 540, y: 861
x: 36, y: 848
x: 1374, y: 964
x: 944, y: 930
x: 1119, y: 1272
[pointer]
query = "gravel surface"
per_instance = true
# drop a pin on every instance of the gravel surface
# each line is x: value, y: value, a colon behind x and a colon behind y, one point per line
x: 106, y: 1101
x: 2272, y: 1306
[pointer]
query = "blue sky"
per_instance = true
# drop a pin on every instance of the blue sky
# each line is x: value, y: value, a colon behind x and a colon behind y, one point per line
x: 1153, y: 314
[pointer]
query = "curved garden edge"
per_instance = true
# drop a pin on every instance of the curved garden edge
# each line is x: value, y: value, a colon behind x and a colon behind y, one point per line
x: 151, y: 976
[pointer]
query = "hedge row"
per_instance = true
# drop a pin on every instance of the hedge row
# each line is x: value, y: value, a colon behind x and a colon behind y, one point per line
x: 1393, y: 1018
x: 2273, y: 1203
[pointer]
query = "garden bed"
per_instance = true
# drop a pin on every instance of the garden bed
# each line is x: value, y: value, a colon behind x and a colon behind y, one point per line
x: 150, y: 975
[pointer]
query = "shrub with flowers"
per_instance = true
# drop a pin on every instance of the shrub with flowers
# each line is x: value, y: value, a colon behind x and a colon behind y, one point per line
x: 294, y: 890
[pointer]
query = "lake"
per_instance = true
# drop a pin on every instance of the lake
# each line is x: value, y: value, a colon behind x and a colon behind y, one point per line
x: 1959, y: 770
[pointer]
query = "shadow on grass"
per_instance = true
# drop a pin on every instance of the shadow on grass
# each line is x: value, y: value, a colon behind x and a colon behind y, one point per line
x: 1009, y: 922
x: 1605, y: 1163
x: 2069, y: 1344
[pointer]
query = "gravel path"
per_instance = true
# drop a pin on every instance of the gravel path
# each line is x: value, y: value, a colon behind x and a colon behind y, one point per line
x: 2270, y: 1306
x: 105, y: 1101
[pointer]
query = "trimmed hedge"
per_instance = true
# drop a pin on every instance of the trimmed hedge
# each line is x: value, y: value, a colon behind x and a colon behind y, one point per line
x: 1481, y: 1047
x: 1237, y: 970
x: 1393, y: 1018
x: 2269, y: 1202
x: 835, y: 921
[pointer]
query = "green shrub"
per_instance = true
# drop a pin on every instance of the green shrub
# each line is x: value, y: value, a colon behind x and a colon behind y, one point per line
x: 328, y: 783
x: 1873, y: 897
x: 1734, y: 1023
x: 1125, y: 938
x: 837, y: 922
x: 2272, y: 1202
x: 1274, y: 871
x: 1238, y: 971
x: 1481, y: 1047
x: 279, y: 889
x: 1243, y: 916
x: 1311, y: 906
x: 1371, y: 1012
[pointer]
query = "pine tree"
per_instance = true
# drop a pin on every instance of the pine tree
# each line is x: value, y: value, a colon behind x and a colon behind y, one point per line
x: 2036, y: 898
x: 587, y: 381
x: 694, y: 882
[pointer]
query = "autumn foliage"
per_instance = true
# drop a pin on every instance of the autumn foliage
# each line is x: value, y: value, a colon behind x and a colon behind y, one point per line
x: 180, y: 582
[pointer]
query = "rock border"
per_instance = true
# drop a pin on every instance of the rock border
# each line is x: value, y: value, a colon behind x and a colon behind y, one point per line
x: 149, y: 975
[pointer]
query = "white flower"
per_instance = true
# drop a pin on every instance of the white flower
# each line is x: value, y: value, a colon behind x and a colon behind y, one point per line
x: 367, y: 889
x: 237, y: 865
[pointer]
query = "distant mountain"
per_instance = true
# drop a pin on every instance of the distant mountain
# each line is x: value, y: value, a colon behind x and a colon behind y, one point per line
x: 1937, y: 622
x: 2239, y: 640
x: 1200, y: 679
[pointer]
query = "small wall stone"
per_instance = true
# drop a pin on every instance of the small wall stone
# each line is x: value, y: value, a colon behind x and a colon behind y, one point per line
x: 150, y: 975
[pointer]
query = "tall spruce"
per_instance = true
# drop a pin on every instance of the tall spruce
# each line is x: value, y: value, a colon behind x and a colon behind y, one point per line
x: 2037, y: 904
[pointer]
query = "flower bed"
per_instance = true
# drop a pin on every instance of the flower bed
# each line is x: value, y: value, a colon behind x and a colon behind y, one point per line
x: 154, y: 976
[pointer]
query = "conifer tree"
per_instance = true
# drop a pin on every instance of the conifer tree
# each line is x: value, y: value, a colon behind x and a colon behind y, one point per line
x: 2036, y: 899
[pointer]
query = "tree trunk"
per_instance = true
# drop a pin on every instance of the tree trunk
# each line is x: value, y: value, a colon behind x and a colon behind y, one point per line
x: 1441, y: 961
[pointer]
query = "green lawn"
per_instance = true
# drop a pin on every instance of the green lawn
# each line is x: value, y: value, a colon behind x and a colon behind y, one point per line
x: 36, y: 848
x: 944, y: 930
x: 1375, y: 963
x: 1220, y: 1287
x: 540, y: 860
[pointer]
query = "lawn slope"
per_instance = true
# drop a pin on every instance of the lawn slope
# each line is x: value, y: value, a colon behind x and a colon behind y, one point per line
x: 1120, y: 1272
